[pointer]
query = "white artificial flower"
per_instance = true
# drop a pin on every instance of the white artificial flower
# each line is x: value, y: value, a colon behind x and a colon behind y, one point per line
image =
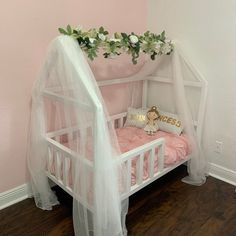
x: 158, y: 47
x: 167, y: 40
x: 92, y: 40
x: 102, y: 37
x: 144, y: 42
x: 166, y: 48
x: 115, y: 40
x: 133, y: 39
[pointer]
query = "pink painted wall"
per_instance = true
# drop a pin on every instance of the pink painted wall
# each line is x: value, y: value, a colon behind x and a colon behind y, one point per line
x: 26, y: 28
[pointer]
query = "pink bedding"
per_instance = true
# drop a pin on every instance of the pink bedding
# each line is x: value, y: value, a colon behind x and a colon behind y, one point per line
x: 177, y: 147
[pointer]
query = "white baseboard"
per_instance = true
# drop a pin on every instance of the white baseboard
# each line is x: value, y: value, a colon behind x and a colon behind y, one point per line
x: 22, y: 192
x: 222, y: 173
x: 17, y: 194
x: 14, y: 195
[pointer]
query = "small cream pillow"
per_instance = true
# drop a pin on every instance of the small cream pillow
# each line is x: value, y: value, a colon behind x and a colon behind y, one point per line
x: 136, y: 117
x: 169, y: 122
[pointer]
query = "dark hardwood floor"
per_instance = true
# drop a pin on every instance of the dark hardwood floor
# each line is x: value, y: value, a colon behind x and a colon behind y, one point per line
x: 165, y: 208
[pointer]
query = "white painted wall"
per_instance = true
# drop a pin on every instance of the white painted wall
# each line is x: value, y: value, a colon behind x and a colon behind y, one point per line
x: 206, y: 30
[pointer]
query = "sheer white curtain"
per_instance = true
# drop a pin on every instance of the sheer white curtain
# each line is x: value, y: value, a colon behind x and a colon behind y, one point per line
x: 197, y: 166
x: 96, y: 174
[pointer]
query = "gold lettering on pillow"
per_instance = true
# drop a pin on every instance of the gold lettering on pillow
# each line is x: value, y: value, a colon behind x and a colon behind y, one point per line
x: 137, y: 117
x: 178, y: 124
x: 165, y: 118
x: 160, y: 117
x: 173, y: 121
x: 170, y: 120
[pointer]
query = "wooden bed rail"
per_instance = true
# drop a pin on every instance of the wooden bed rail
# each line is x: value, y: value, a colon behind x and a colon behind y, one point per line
x: 66, y: 99
x: 61, y: 159
x: 116, y: 120
x: 138, y: 154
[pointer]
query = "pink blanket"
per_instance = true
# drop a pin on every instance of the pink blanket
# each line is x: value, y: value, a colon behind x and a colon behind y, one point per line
x: 176, y: 147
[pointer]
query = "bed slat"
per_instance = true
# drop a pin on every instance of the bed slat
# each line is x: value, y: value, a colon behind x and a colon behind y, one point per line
x: 151, y: 162
x: 58, y: 165
x: 161, y: 156
x: 66, y: 169
x: 129, y: 175
x: 139, y: 169
x: 50, y: 159
x: 120, y: 122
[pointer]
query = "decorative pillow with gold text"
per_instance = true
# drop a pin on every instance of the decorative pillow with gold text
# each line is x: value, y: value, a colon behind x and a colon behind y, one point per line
x: 169, y: 122
x: 136, y: 117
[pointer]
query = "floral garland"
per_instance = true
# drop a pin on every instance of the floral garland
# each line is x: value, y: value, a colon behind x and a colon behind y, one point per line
x: 92, y: 40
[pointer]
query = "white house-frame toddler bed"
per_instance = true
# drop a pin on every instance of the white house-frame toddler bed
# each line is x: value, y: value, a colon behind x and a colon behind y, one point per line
x: 74, y: 141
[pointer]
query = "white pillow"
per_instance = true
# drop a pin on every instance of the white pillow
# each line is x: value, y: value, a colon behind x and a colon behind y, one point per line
x: 169, y: 122
x: 136, y: 117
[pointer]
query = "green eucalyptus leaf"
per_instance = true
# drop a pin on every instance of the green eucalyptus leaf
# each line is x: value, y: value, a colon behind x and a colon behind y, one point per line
x: 162, y: 36
x: 124, y: 35
x: 69, y: 29
x: 62, y: 31
x: 116, y: 35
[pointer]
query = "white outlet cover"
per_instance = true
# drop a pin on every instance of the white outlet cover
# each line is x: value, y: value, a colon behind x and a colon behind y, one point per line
x: 218, y: 147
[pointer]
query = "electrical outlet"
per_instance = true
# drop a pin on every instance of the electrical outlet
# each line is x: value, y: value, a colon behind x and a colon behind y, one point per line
x: 218, y: 147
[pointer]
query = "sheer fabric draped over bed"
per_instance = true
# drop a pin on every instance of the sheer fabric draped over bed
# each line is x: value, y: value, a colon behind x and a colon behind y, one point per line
x: 97, y: 178
x: 96, y: 174
x: 197, y: 166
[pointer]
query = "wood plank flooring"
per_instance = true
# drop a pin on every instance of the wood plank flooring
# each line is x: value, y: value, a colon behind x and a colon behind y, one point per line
x: 168, y: 207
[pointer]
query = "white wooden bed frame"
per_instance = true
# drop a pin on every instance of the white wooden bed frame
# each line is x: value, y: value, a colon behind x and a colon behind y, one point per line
x: 64, y: 155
